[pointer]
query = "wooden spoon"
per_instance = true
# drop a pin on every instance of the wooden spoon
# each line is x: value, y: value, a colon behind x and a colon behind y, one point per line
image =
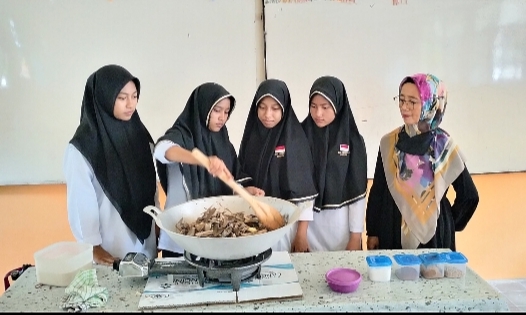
x: 267, y: 215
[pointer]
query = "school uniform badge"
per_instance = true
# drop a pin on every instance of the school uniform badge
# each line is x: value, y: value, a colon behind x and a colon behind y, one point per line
x: 279, y: 152
x: 344, y: 150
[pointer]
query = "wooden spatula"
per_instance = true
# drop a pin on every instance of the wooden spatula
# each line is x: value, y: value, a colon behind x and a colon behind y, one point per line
x: 267, y: 215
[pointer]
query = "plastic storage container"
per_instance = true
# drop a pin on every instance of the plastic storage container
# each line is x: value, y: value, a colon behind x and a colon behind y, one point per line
x: 432, y: 266
x: 343, y: 280
x: 58, y: 263
x: 407, y: 266
x: 455, y: 265
x: 379, y: 267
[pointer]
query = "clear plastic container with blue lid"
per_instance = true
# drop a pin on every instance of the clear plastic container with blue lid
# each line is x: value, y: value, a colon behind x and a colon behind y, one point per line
x: 407, y: 266
x: 433, y: 265
x: 379, y: 267
x: 455, y: 264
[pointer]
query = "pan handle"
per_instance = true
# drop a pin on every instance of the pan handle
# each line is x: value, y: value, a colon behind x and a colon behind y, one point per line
x: 154, y: 213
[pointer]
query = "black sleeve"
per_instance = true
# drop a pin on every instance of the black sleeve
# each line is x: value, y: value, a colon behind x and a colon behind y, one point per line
x: 466, y: 200
x: 374, y: 201
x: 237, y: 171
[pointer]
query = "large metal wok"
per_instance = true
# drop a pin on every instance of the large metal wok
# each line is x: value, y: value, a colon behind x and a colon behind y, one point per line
x: 226, y: 248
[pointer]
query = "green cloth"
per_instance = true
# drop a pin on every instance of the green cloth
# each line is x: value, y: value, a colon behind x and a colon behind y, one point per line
x: 84, y: 292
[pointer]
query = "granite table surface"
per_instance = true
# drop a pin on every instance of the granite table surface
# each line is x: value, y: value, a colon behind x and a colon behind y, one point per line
x: 468, y: 294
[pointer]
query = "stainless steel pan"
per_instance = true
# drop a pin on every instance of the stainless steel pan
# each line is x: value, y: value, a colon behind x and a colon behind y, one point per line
x: 227, y: 248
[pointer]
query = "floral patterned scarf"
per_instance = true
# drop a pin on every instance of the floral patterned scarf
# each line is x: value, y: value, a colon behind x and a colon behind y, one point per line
x: 420, y: 162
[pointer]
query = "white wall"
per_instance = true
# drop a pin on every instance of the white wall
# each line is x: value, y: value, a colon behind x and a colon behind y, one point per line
x: 49, y: 48
x: 477, y: 47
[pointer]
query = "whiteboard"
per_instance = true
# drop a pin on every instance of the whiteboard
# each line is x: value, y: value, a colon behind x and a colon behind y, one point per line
x: 477, y: 47
x: 48, y: 48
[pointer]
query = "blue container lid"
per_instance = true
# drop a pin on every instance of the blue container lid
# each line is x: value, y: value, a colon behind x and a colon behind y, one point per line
x: 432, y: 258
x: 455, y: 258
x: 378, y: 261
x: 407, y: 259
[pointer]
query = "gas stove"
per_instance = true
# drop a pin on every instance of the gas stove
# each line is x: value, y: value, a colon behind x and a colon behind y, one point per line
x: 193, y: 280
x: 228, y: 271
x: 234, y: 272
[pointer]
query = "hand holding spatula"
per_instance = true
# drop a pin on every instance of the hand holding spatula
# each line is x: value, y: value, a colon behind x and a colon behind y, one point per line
x: 267, y: 215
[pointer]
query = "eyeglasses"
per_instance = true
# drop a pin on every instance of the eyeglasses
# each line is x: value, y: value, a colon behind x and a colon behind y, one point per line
x: 401, y: 101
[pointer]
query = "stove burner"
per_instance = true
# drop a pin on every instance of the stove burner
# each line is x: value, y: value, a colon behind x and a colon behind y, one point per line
x: 228, y: 271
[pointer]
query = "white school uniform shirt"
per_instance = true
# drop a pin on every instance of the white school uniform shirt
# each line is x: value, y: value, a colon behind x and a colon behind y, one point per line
x: 176, y: 193
x: 285, y: 243
x: 330, y: 230
x: 92, y: 217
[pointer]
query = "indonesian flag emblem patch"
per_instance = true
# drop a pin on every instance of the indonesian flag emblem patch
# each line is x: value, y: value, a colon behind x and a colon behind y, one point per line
x: 279, y: 152
x: 344, y: 150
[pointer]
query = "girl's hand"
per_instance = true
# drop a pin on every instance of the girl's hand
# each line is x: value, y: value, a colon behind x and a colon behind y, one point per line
x: 102, y: 257
x: 255, y: 191
x: 355, y: 242
x: 217, y: 167
x: 373, y: 242
x: 300, y: 244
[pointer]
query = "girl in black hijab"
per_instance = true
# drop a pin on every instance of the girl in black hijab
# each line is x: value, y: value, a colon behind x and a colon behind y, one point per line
x: 340, y: 162
x: 109, y: 169
x: 201, y: 125
x: 275, y: 152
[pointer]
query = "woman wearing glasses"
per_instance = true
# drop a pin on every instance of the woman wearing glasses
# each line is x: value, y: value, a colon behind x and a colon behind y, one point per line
x: 417, y: 162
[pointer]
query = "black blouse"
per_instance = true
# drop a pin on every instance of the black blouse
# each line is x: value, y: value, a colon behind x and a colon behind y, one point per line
x: 383, y: 219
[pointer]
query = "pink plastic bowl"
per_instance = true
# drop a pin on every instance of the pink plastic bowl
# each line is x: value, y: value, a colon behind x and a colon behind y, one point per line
x: 343, y: 280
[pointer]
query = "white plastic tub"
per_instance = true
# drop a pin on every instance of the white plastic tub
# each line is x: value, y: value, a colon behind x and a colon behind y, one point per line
x: 379, y: 268
x: 58, y: 263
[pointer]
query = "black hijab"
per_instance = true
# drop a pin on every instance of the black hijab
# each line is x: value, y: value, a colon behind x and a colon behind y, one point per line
x: 290, y: 176
x: 341, y: 172
x: 190, y: 130
x: 118, y: 151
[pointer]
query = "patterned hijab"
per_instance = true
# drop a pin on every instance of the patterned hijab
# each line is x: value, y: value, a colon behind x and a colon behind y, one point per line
x: 338, y: 150
x: 420, y: 168
x: 278, y: 159
x: 190, y: 130
x: 118, y: 151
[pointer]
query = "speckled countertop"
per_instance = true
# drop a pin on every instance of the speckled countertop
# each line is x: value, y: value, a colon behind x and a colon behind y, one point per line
x: 471, y: 293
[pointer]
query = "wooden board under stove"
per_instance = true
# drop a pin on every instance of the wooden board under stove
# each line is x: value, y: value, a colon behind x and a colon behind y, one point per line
x: 279, y: 280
